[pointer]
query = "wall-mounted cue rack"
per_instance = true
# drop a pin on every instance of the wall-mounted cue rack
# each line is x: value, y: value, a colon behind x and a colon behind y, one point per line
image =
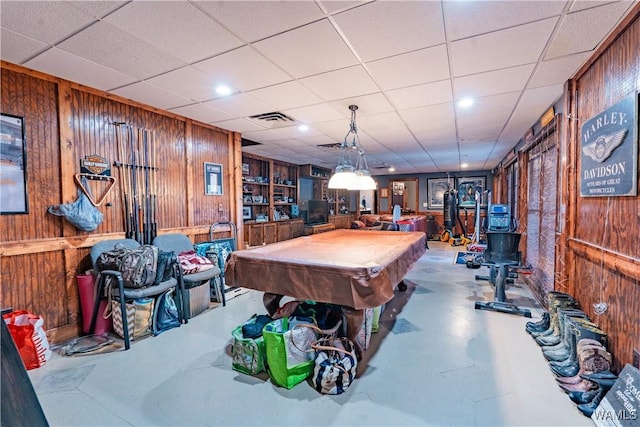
x: 137, y: 163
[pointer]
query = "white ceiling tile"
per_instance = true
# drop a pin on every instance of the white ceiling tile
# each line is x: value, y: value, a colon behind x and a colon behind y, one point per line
x: 309, y: 50
x: 107, y: 45
x: 417, y: 96
x: 314, y: 113
x: 238, y: 125
x: 265, y: 135
x: 193, y: 41
x: 575, y: 36
x: 432, y: 119
x: 240, y: 105
x: 244, y: 69
x: 492, y: 82
x: 286, y: 95
x: 255, y: 20
x: 292, y: 132
x: 17, y: 48
x: 367, y: 104
x: 521, y: 121
x: 384, y: 28
x: 500, y: 49
x: 332, y: 6
x: 421, y: 66
x: 45, y: 21
x: 557, y: 71
x: 202, y: 113
x: 188, y: 82
x: 98, y: 8
x: 344, y: 83
x: 577, y: 5
x: 465, y: 19
x: 77, y: 69
x: 152, y: 95
x: 541, y: 97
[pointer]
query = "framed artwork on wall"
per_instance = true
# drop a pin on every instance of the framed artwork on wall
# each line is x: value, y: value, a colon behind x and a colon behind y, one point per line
x: 384, y: 192
x: 13, y: 161
x: 436, y: 188
x: 213, y: 179
x: 467, y: 188
x: 246, y: 212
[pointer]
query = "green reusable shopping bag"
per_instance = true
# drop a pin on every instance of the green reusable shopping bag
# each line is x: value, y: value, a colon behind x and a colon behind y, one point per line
x: 248, y: 353
x: 290, y: 358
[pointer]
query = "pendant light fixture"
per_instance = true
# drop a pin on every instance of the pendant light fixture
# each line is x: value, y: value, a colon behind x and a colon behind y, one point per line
x: 346, y: 175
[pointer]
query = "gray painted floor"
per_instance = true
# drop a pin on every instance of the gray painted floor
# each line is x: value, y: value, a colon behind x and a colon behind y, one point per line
x: 436, y: 361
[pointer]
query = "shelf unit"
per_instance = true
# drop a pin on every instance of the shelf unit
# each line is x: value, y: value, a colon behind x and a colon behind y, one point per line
x: 269, y: 188
x: 338, y: 199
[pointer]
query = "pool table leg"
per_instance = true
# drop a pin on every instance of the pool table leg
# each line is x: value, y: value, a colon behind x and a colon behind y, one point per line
x: 354, y: 319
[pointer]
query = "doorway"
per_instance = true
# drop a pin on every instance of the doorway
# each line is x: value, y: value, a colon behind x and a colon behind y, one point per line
x: 404, y: 193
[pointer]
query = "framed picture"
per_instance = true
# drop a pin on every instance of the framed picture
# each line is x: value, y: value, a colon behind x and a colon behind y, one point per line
x: 467, y: 188
x: 257, y: 199
x: 246, y: 212
x: 245, y: 169
x: 13, y: 162
x: 436, y: 188
x: 384, y: 192
x: 212, y: 179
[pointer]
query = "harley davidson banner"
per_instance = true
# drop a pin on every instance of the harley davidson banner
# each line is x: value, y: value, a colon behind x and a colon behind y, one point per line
x: 609, y: 151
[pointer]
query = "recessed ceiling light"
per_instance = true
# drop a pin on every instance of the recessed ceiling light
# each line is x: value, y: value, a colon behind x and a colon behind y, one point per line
x: 223, y: 90
x: 391, y: 169
x: 465, y: 102
x: 303, y: 128
x: 464, y: 165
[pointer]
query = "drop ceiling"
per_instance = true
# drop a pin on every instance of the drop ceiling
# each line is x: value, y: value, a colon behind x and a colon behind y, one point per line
x: 405, y: 64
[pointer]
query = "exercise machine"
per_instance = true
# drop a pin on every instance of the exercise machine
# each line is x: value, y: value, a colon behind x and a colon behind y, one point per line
x: 502, y: 257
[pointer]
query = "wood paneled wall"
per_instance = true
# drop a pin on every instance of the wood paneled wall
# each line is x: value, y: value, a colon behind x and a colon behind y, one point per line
x: 602, y: 232
x: 597, y: 252
x: 41, y: 254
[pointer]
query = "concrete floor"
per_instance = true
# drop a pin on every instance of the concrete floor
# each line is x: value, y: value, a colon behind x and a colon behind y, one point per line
x: 436, y: 361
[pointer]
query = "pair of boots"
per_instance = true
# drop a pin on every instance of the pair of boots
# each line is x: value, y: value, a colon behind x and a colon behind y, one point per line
x: 588, y: 401
x: 593, y: 359
x: 577, y: 329
x: 548, y: 326
x: 558, y: 347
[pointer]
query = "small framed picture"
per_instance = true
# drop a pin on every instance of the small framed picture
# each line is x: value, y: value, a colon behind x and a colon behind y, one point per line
x: 245, y: 169
x: 213, y: 179
x: 257, y: 199
x: 384, y: 192
x: 247, y: 198
x: 246, y: 212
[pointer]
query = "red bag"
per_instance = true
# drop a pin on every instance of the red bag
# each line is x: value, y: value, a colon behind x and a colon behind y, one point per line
x: 27, y: 331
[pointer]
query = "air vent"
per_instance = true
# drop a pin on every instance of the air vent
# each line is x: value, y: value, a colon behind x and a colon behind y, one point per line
x: 333, y: 145
x: 249, y: 143
x: 274, y: 119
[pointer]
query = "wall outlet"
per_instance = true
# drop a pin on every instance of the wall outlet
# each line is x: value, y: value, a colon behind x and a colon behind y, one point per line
x: 220, y: 207
x: 636, y: 358
x: 425, y: 204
